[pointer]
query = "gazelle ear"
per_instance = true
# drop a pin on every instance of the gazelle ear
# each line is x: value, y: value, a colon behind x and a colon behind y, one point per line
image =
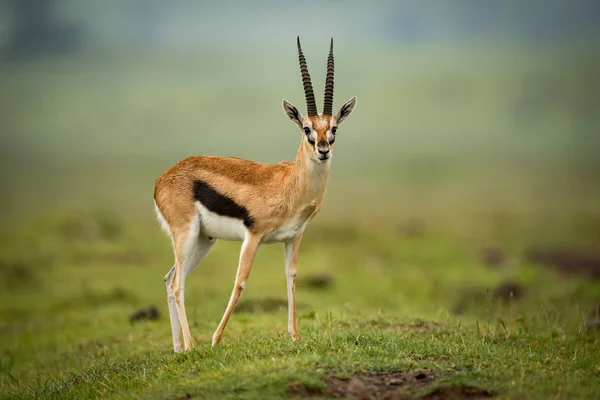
x: 292, y: 112
x: 346, y: 110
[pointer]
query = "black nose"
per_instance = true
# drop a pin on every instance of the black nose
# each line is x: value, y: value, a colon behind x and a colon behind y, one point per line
x: 323, y: 151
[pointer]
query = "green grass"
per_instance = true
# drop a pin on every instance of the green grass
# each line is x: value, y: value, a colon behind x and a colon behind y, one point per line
x: 72, y: 281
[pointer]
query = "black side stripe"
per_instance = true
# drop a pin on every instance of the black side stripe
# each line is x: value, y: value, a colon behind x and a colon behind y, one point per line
x: 220, y: 204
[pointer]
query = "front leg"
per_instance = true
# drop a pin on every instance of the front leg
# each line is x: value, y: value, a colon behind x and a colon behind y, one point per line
x: 249, y: 248
x: 291, y: 260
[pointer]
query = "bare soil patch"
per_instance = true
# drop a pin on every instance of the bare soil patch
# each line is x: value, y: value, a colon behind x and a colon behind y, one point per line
x: 567, y: 261
x: 386, y: 385
x: 182, y: 396
x: 458, y: 392
x: 372, y: 385
x: 394, y: 385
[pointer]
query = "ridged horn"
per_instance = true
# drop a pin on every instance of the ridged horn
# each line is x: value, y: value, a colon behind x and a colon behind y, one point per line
x: 328, y: 102
x: 311, y: 104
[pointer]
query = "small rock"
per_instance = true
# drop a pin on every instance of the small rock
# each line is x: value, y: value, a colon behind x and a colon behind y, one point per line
x: 150, y: 313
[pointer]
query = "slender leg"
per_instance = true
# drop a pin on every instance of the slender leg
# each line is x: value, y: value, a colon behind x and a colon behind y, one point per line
x: 249, y: 248
x: 173, y: 315
x: 193, y: 252
x: 196, y: 254
x: 291, y: 260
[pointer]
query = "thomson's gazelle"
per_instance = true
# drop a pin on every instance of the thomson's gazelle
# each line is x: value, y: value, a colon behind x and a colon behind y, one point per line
x: 205, y: 198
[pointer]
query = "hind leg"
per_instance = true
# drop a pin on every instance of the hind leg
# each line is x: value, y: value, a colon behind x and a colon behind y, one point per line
x: 187, y: 256
x: 173, y: 316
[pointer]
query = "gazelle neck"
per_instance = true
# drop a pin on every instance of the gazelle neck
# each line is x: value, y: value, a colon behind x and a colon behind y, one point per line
x: 310, y: 177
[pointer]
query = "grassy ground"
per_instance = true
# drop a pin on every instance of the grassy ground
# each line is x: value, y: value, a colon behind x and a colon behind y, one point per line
x: 404, y: 298
x: 456, y: 188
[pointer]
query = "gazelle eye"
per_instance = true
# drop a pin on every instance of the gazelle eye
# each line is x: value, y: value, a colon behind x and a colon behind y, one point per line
x: 334, y: 129
x: 307, y: 130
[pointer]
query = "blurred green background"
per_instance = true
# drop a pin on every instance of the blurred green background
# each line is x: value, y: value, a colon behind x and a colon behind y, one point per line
x: 465, y: 110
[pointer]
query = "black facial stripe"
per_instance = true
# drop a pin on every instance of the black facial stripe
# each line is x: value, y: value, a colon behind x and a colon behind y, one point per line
x: 220, y: 204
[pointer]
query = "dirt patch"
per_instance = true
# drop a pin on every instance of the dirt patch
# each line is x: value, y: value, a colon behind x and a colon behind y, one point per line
x: 150, y: 313
x: 316, y: 281
x: 182, y: 396
x: 458, y: 392
x: 387, y: 386
x: 299, y: 389
x: 567, y: 261
x: 266, y: 305
x: 367, y: 385
x: 377, y: 385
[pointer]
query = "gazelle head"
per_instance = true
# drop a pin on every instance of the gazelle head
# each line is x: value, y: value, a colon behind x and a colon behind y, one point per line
x: 319, y: 130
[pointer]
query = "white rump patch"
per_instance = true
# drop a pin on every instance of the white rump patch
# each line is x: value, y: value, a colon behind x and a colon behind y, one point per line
x: 163, y: 222
x: 190, y: 248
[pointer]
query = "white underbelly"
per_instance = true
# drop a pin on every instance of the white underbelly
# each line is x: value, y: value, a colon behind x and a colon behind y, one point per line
x: 225, y: 228
x: 285, y: 232
x: 219, y: 227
